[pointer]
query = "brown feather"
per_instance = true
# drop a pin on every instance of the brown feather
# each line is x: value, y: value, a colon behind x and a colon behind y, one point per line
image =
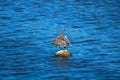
x: 61, y: 41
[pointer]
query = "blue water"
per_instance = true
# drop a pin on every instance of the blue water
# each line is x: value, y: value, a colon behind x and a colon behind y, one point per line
x: 27, y: 28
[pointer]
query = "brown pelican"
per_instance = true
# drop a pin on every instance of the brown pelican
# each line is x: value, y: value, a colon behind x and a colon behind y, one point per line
x: 61, y: 40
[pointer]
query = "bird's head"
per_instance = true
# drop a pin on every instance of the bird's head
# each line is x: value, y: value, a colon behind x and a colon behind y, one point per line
x: 53, y: 42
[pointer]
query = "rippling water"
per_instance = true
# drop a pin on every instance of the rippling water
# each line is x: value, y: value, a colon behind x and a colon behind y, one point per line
x: 28, y: 26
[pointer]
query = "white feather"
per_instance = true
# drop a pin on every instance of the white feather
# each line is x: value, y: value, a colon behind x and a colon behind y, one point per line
x: 67, y: 40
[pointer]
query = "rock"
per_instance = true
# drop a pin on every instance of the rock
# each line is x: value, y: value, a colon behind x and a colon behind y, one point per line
x: 63, y: 53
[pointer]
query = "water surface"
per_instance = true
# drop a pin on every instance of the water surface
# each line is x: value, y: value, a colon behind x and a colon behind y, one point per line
x: 28, y: 26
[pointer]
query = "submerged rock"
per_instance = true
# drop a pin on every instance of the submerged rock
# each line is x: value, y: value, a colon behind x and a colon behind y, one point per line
x: 63, y: 53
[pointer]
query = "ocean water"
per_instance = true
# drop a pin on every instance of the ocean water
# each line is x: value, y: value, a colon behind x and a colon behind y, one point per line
x: 27, y: 28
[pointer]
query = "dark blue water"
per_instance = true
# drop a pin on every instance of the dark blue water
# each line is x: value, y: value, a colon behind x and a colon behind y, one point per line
x: 27, y: 28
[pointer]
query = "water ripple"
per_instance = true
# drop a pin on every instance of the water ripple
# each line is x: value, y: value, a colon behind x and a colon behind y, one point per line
x: 27, y: 28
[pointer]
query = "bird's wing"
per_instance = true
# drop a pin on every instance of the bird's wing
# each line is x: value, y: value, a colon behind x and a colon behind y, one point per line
x: 62, y: 32
x: 67, y: 40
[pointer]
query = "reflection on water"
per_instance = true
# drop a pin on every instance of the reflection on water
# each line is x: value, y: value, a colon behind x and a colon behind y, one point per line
x: 27, y: 28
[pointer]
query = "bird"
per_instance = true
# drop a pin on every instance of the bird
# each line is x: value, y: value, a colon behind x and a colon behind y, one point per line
x: 61, y: 41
